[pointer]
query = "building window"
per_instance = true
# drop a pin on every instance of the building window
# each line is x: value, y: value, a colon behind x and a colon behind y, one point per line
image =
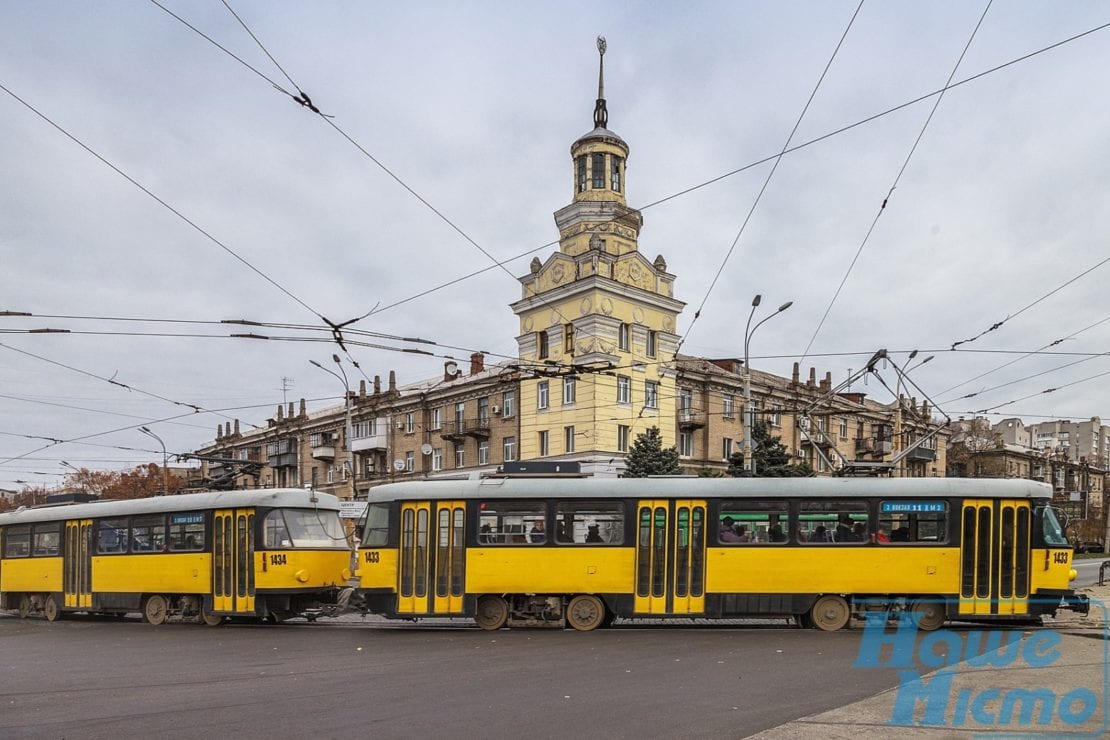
x: 651, y: 394
x: 652, y: 340
x: 597, y: 162
x: 568, y: 390
x: 685, y: 402
x: 568, y: 439
x: 542, y: 443
x: 483, y: 410
x: 319, y: 439
x: 437, y: 418
x: 460, y: 416
x: 581, y: 165
x: 508, y: 403
x: 616, y: 163
x: 726, y: 448
x: 727, y: 413
x: 410, y: 461
x: 541, y: 395
x: 685, y: 444
x: 624, y: 337
x: 410, y: 423
x: 568, y: 339
x: 624, y: 389
x: 437, y: 458
x: 776, y: 416
x: 844, y: 427
x: 541, y: 345
x: 460, y: 456
x: 483, y: 452
x: 623, y: 433
x: 508, y: 446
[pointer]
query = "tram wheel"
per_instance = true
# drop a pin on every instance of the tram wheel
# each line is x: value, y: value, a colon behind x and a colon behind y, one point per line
x: 50, y: 609
x: 830, y: 613
x: 585, y: 612
x: 24, y: 606
x: 492, y: 613
x: 155, y: 609
x: 209, y: 619
x: 928, y: 614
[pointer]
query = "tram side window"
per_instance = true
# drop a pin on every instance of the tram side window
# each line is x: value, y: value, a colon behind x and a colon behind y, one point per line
x: 48, y: 537
x: 148, y: 533
x: 186, y: 531
x: 1050, y: 527
x: 589, y: 522
x: 752, y: 522
x: 276, y: 534
x: 512, y: 523
x: 375, y: 533
x: 17, y: 541
x: 912, y: 521
x: 832, y: 522
x: 111, y: 535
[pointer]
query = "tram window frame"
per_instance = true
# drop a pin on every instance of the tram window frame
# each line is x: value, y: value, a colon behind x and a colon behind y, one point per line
x: 181, y: 526
x: 832, y: 513
x: 117, y: 527
x: 148, y: 533
x: 936, y: 522
x: 751, y: 514
x: 375, y: 530
x: 607, y: 515
x: 521, y: 515
x: 17, y: 541
x: 40, y: 547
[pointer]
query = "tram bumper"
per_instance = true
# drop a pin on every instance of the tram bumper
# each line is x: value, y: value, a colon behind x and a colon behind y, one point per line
x: 1078, y: 603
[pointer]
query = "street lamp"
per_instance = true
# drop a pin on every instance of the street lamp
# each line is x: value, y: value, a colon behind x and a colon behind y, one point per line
x: 347, y: 411
x: 165, y: 467
x: 749, y: 330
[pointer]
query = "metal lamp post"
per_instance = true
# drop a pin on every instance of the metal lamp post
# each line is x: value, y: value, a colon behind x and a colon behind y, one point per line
x: 165, y: 465
x: 897, y: 446
x: 749, y: 417
x: 347, y: 410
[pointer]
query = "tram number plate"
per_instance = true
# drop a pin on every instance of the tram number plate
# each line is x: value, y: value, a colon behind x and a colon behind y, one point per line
x: 1060, y: 557
x: 373, y: 556
x: 278, y: 559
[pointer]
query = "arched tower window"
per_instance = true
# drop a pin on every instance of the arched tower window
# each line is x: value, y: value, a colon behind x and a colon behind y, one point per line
x: 616, y: 163
x: 581, y: 165
x: 598, y: 165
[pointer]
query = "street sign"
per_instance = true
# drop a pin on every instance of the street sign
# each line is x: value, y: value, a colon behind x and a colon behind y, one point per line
x: 351, y: 509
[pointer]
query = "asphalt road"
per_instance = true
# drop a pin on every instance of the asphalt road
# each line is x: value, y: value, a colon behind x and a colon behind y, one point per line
x: 84, y: 678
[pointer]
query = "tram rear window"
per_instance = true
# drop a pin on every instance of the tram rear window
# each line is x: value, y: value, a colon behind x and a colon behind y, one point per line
x: 589, y: 522
x: 512, y: 523
x: 913, y: 521
x: 375, y: 533
x: 17, y: 541
x: 833, y: 522
x: 48, y: 537
x: 752, y: 522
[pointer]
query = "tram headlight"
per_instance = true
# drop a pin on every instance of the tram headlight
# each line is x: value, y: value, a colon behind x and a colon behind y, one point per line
x: 302, y: 575
x: 1073, y: 574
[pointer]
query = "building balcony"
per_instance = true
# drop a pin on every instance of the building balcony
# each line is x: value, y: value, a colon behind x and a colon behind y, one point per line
x: 874, y: 446
x: 285, y: 460
x: 691, y: 419
x: 922, y: 454
x: 453, y: 430
x: 816, y: 438
x: 478, y: 427
x: 323, y: 452
x: 373, y: 442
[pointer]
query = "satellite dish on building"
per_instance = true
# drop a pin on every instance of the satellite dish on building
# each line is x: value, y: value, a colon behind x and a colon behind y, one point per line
x: 426, y: 449
x: 451, y: 368
x: 398, y: 465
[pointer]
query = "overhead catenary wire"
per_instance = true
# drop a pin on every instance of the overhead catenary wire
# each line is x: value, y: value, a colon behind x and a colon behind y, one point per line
x: 894, y: 184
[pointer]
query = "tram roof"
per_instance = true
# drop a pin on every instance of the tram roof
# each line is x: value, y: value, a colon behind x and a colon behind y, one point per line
x: 269, y: 497
x: 682, y: 487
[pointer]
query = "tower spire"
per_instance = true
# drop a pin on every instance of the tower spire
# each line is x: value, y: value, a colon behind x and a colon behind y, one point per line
x: 601, y: 115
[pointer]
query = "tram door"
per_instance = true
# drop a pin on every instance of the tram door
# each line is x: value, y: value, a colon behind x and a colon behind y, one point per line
x: 670, y: 557
x: 77, y: 564
x: 433, y: 544
x: 233, y: 560
x: 994, y: 557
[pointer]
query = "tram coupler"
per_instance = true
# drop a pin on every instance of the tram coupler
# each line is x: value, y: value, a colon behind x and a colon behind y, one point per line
x: 1078, y: 603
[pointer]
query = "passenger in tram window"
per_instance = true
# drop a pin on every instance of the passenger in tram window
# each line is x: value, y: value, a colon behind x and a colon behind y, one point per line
x: 902, y: 534
x: 485, y: 534
x: 881, y: 537
x: 859, y: 532
x: 820, y: 534
x: 776, y: 534
x: 742, y: 534
x: 843, y: 530
x: 728, y: 534
x: 800, y: 534
x: 536, y: 533
x: 592, y: 534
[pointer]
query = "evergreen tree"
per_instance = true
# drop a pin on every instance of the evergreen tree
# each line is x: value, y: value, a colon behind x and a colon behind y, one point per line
x: 770, y: 457
x: 647, y: 456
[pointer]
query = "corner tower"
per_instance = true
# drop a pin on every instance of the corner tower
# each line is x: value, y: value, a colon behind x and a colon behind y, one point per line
x: 597, y: 319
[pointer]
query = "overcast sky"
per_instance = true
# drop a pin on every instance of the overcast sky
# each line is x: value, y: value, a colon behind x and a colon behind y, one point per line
x: 474, y: 106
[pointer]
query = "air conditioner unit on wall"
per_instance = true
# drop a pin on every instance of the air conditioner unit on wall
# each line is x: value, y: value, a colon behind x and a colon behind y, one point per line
x: 495, y: 409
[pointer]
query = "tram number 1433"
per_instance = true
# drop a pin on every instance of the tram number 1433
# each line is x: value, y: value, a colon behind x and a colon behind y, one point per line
x: 1060, y: 557
x: 373, y: 556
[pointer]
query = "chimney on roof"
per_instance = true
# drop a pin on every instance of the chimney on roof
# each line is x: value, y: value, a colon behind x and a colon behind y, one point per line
x: 290, y: 410
x: 477, y: 362
x: 826, y: 382
x: 280, y: 413
x: 392, y: 381
x: 362, y: 389
x: 304, y: 411
x: 794, y: 376
x: 812, y: 377
x: 219, y: 432
x: 227, y: 429
x: 377, y: 384
x: 236, y: 427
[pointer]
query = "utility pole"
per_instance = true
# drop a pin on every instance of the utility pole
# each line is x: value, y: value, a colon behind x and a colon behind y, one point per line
x: 749, y: 415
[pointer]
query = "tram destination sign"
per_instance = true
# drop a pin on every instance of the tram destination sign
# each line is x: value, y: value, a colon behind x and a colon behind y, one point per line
x: 911, y: 507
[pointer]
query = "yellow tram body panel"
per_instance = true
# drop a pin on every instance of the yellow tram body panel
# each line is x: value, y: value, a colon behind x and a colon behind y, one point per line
x: 157, y: 573
x: 1050, y: 569
x: 294, y: 569
x: 548, y: 570
x: 378, y: 568
x: 830, y: 569
x: 31, y: 574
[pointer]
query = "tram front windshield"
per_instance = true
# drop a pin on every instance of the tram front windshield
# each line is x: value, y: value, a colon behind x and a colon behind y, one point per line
x: 304, y: 528
x: 1053, y: 532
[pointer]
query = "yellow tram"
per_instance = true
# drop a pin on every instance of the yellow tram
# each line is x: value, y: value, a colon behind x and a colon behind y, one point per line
x: 555, y: 551
x: 202, y: 556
